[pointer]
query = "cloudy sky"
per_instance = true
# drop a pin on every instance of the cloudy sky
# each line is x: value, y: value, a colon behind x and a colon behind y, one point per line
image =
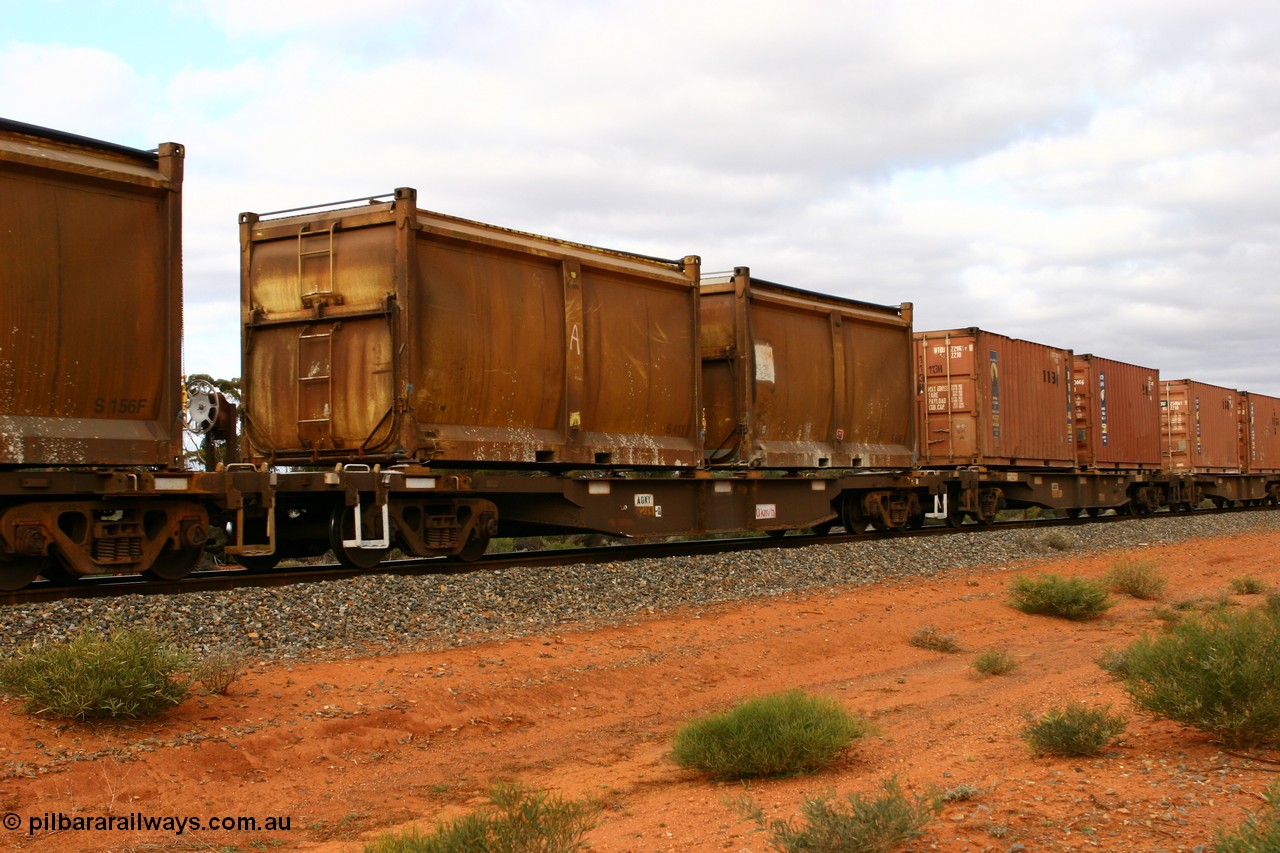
x: 1103, y: 176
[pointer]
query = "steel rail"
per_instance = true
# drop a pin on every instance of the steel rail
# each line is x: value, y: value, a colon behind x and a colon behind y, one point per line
x: 225, y: 579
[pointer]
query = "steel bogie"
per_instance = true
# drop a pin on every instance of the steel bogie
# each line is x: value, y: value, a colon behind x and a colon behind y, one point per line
x: 161, y: 536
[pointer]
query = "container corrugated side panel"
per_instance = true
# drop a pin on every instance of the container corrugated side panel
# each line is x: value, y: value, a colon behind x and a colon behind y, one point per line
x: 1117, y: 414
x: 440, y: 339
x: 574, y: 354
x: 793, y: 379
x: 879, y: 399
x: 1260, y: 428
x: 91, y: 303
x: 987, y: 399
x: 1200, y: 431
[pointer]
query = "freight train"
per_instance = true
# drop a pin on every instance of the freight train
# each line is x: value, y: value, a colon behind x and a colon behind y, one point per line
x: 421, y: 382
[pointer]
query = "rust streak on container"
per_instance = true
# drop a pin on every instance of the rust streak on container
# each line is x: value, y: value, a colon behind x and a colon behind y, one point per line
x: 793, y: 379
x: 91, y: 307
x: 393, y: 333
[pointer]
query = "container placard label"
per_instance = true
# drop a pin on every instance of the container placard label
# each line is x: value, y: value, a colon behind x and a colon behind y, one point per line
x: 939, y: 401
x: 764, y: 363
x: 644, y: 500
x: 766, y: 511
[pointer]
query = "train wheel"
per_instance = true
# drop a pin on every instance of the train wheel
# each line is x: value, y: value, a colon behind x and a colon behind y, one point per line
x: 17, y: 572
x: 823, y: 528
x: 258, y: 562
x: 851, y: 516
x: 342, y: 528
x: 1093, y: 511
x: 173, y: 565
x: 475, y: 548
x: 1073, y: 511
x: 775, y: 534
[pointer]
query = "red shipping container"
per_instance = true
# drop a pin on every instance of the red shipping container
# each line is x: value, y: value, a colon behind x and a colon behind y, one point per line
x: 986, y: 399
x: 1260, y: 433
x: 1199, y: 427
x: 1117, y: 413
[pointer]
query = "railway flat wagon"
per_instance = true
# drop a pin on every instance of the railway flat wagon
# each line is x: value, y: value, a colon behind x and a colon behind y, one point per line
x: 1117, y: 414
x: 1200, y: 427
x: 90, y: 302
x: 1260, y: 433
x: 994, y: 401
x: 793, y: 379
x: 388, y: 333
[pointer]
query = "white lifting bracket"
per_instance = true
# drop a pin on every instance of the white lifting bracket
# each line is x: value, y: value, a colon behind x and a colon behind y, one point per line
x: 360, y: 541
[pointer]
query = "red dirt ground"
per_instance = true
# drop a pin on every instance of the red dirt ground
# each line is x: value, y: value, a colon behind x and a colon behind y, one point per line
x: 346, y: 749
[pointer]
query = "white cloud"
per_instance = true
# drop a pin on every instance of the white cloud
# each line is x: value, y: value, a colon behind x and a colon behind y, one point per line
x: 82, y: 90
x: 1101, y: 175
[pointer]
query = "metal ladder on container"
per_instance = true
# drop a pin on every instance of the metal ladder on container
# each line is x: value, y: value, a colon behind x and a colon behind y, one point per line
x: 325, y: 295
x: 315, y: 348
x: 315, y: 386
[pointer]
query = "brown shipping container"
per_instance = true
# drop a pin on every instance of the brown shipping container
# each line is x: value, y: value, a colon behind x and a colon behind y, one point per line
x: 798, y: 379
x: 1199, y: 427
x: 986, y: 399
x: 1260, y: 433
x: 90, y: 301
x: 1117, y: 413
x: 386, y: 332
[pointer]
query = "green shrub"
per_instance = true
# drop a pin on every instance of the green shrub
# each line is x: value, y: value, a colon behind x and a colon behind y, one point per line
x: 961, y: 793
x: 517, y: 820
x: 929, y: 637
x: 1114, y: 662
x: 774, y: 735
x: 995, y: 662
x: 1258, y: 833
x: 1217, y: 672
x: 1246, y: 585
x: 1137, y: 578
x: 858, y: 825
x: 1054, y: 595
x: 1072, y: 731
x: 133, y: 673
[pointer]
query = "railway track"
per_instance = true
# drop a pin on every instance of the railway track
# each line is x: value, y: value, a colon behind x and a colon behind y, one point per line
x: 212, y: 580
